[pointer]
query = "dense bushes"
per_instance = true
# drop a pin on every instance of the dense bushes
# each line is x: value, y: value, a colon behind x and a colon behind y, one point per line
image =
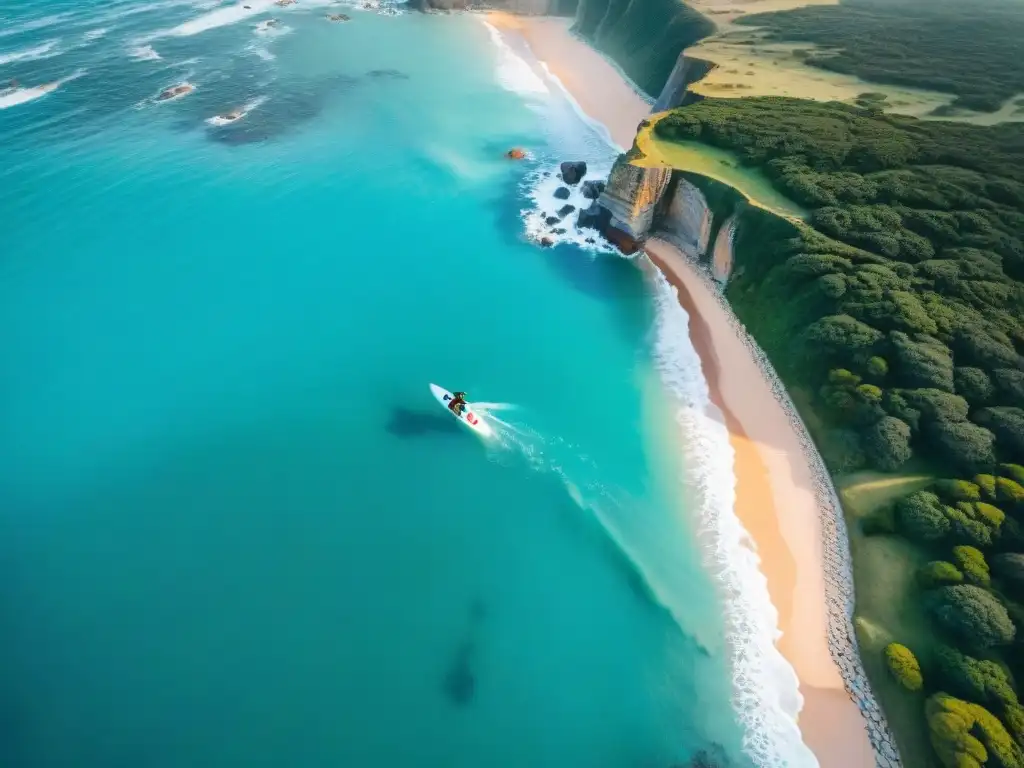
x: 967, y: 735
x: 972, y: 615
x: 939, y: 573
x: 901, y: 307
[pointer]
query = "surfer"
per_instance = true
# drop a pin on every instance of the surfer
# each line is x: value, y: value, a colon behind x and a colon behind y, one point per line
x: 458, y: 403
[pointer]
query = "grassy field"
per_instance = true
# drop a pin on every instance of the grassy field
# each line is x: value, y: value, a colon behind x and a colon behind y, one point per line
x: 887, y: 610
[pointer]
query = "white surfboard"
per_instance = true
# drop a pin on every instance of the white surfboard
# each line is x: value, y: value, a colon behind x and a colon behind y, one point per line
x: 472, y: 420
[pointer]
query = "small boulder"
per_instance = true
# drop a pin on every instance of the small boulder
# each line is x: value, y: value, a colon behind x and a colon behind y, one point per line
x: 573, y: 171
x: 516, y: 154
x: 546, y: 242
x: 592, y: 189
x: 551, y: 220
x: 559, y: 231
x: 565, y: 210
x: 562, y: 193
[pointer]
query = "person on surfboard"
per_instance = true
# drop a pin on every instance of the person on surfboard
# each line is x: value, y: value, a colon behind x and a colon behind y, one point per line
x: 458, y: 403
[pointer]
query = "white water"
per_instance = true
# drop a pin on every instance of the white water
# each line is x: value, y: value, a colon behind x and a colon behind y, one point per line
x: 15, y: 96
x: 42, y: 51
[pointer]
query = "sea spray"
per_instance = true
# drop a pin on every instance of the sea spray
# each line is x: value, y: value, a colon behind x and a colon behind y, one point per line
x: 765, y: 686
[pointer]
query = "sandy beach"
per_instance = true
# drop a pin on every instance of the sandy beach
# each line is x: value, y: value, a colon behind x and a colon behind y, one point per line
x: 775, y: 497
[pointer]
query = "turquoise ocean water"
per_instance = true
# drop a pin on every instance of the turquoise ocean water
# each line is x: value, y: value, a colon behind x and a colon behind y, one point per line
x: 235, y: 527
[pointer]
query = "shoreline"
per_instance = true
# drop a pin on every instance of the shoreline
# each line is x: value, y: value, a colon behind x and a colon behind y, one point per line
x: 784, y: 497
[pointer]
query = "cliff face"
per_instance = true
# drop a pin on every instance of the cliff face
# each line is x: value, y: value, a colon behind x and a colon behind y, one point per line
x: 686, y: 220
x: 686, y: 71
x: 644, y: 37
x: 631, y: 198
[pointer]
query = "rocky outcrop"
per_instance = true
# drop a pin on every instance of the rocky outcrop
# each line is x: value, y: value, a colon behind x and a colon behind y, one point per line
x: 631, y: 198
x: 562, y: 193
x: 592, y: 189
x: 573, y: 171
x: 721, y: 251
x: 686, y: 219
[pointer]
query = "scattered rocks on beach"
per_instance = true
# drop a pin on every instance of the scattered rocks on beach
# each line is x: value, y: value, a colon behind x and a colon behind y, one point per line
x: 175, y: 91
x: 516, y: 154
x: 592, y: 189
x: 562, y: 193
x: 573, y: 171
x: 565, y: 210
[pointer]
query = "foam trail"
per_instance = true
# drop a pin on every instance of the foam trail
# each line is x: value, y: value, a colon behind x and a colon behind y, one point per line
x: 96, y: 34
x: 11, y: 97
x: 765, y: 687
x: 40, y: 23
x: 493, y: 406
x: 514, y: 73
x: 220, y: 17
x: 42, y: 51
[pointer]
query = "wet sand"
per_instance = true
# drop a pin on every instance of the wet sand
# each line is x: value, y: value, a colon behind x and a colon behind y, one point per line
x: 775, y: 497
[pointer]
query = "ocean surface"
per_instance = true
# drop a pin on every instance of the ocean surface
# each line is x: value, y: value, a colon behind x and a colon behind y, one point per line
x: 236, y: 529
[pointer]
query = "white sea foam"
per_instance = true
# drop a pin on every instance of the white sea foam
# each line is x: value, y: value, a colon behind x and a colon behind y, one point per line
x: 540, y: 186
x: 228, y: 119
x: 144, y: 53
x: 41, y: 51
x: 765, y: 687
x: 10, y: 97
x: 39, y: 23
x: 220, y: 17
x: 514, y: 72
x: 96, y: 34
x: 260, y: 51
x: 600, y: 128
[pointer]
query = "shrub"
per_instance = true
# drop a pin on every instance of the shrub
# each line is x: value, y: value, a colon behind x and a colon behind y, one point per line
x: 843, y: 451
x: 840, y: 377
x: 987, y: 484
x: 1013, y: 471
x: 965, y: 529
x: 991, y: 516
x: 972, y: 563
x: 1008, y: 426
x: 958, y: 490
x: 972, y: 614
x: 973, y: 385
x: 963, y: 444
x: 1009, y: 492
x: 1009, y: 567
x: 939, y: 573
x: 921, y: 517
x: 983, y: 682
x: 887, y: 443
x: 904, y: 666
x: 966, y: 735
x: 877, y: 367
x: 1013, y: 718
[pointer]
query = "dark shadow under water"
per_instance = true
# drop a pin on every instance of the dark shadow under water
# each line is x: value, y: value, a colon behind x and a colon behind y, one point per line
x: 405, y: 422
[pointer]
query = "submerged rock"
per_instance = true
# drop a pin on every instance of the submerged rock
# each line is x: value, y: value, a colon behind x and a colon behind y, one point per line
x: 546, y: 242
x: 562, y: 193
x: 337, y: 17
x: 551, y: 220
x: 558, y: 231
x: 460, y: 683
x: 573, y: 171
x: 175, y: 91
x: 565, y: 210
x: 593, y: 217
x: 592, y: 189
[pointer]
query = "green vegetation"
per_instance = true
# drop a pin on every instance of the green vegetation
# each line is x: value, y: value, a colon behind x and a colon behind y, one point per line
x: 968, y: 49
x: 644, y: 37
x: 902, y: 305
x: 904, y: 666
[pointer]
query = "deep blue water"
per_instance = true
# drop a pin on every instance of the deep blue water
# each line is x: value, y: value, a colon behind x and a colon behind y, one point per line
x: 236, y: 529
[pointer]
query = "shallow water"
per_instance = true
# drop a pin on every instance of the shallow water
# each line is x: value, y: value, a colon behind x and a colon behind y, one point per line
x: 237, y: 527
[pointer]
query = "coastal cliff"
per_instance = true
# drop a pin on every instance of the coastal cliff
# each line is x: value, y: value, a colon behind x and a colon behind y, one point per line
x: 630, y: 200
x: 644, y: 37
